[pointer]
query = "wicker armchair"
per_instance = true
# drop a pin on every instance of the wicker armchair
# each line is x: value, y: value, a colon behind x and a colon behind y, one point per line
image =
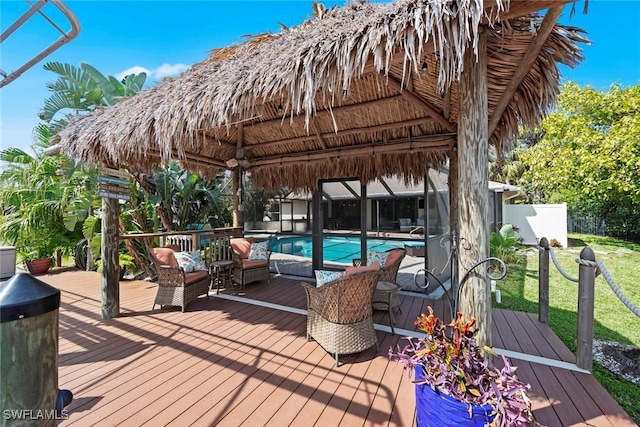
x: 389, y: 271
x: 175, y: 287
x: 385, y: 297
x: 247, y: 270
x: 339, y: 314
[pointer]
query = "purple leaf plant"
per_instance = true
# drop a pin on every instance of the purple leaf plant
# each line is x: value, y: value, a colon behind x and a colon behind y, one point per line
x: 453, y: 363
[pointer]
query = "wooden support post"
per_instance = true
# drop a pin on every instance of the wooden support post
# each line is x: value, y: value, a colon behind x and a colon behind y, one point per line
x: 110, y: 259
x: 586, y: 285
x: 473, y: 211
x: 238, y: 208
x: 543, y: 281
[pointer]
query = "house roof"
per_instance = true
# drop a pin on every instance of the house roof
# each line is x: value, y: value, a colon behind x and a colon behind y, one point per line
x: 391, y: 187
x: 367, y: 90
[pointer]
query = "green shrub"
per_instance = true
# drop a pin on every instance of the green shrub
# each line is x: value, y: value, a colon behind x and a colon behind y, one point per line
x: 504, y: 243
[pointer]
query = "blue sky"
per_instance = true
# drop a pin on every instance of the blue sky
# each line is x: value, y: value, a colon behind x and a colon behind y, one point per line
x: 164, y: 37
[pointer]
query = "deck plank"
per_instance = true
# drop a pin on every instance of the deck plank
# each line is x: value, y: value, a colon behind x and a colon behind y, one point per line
x: 232, y: 363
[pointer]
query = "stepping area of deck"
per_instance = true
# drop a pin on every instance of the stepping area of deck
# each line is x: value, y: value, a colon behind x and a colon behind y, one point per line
x: 229, y: 362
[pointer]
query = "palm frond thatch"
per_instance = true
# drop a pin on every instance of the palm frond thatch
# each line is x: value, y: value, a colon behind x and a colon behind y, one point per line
x: 366, y: 90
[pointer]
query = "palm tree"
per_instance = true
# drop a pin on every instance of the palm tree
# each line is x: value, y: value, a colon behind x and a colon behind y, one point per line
x: 33, y: 201
x: 83, y: 89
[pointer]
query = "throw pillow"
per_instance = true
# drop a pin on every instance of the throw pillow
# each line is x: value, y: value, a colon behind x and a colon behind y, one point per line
x: 326, y: 276
x: 394, y: 256
x: 185, y: 261
x: 355, y: 270
x: 375, y: 256
x: 258, y: 250
x: 198, y: 262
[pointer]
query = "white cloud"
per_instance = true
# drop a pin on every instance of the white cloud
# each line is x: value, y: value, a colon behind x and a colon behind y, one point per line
x: 166, y: 70
x: 133, y: 70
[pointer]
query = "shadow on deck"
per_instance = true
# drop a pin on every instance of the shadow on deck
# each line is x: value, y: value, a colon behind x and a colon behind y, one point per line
x: 229, y: 362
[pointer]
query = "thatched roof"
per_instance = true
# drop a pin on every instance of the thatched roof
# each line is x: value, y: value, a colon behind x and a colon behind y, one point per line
x: 362, y: 91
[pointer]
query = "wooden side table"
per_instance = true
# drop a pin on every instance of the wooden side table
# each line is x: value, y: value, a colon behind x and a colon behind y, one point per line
x: 220, y: 271
x: 385, y: 297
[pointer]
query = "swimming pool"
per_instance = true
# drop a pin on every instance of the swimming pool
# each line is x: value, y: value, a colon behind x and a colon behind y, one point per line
x: 342, y: 249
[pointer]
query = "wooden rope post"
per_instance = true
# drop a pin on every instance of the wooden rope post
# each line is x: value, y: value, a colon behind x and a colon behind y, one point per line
x: 586, y: 285
x: 543, y: 281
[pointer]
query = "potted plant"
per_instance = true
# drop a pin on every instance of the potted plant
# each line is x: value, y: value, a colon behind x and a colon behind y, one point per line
x: 36, y: 259
x: 456, y: 383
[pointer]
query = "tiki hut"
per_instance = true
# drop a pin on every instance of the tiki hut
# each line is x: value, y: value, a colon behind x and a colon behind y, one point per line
x: 363, y: 91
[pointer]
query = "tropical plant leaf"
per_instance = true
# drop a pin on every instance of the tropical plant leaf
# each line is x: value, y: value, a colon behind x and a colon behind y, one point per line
x: 108, y: 89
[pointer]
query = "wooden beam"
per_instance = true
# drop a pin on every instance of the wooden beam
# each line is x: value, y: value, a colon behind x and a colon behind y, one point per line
x: 525, y: 65
x: 421, y: 103
x: 473, y: 210
x: 346, y: 132
x: 318, y: 134
x: 521, y: 7
x: 195, y: 157
x: 426, y: 143
x: 324, y: 112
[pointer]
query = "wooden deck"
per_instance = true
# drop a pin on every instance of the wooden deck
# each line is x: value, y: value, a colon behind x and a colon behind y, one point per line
x: 226, y: 362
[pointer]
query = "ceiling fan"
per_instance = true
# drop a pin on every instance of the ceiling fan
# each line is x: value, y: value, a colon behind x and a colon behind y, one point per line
x: 243, y: 158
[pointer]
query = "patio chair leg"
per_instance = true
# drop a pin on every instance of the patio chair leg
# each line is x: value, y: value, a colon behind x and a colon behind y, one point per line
x: 337, y: 360
x: 391, y: 321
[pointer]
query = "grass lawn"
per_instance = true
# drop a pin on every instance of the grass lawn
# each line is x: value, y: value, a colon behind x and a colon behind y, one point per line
x: 613, y: 320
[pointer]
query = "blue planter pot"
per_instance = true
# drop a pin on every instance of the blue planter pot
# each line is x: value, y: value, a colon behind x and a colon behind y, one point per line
x: 435, y: 409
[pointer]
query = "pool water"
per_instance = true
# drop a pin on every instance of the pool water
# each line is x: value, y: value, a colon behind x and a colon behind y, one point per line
x: 342, y: 249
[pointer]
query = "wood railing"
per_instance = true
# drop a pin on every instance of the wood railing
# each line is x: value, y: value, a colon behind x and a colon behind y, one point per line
x: 213, y: 241
x: 586, y: 285
x: 187, y: 240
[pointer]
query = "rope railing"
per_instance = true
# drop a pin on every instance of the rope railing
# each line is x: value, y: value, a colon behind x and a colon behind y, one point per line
x: 559, y: 267
x: 612, y: 284
x: 588, y: 269
x: 600, y: 269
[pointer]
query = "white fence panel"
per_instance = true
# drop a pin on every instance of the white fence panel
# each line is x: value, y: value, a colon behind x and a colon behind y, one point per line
x: 537, y: 221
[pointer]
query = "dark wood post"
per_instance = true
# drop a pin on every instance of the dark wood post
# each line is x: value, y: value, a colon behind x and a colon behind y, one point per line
x: 473, y: 210
x: 454, y: 196
x: 543, y: 281
x: 586, y: 285
x: 317, y: 248
x: 110, y: 259
x: 363, y: 221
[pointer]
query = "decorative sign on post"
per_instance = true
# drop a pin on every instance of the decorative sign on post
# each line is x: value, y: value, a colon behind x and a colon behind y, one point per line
x: 113, y: 184
x: 114, y: 172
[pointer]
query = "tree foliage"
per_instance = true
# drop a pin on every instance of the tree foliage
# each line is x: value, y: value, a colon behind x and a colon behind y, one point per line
x: 82, y: 89
x: 187, y: 198
x: 589, y: 154
x: 33, y: 202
